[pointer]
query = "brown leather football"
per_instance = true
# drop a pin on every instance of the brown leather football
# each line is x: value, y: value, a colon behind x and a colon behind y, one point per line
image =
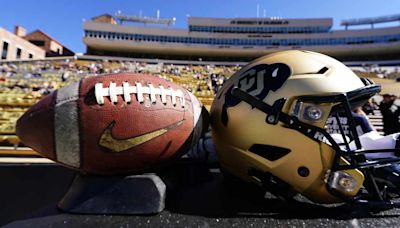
x: 114, y: 124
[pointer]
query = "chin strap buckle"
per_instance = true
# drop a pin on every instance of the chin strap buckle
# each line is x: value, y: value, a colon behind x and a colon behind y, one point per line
x: 276, y: 108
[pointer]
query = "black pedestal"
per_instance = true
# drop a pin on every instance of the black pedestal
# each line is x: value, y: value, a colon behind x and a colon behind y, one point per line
x: 137, y: 194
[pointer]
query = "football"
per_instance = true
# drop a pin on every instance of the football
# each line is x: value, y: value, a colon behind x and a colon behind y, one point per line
x: 114, y: 124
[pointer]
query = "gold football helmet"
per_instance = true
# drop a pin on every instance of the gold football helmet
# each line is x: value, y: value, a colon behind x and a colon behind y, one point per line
x: 268, y: 128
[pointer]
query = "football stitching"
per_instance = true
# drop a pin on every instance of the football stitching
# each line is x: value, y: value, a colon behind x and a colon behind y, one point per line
x: 126, y: 90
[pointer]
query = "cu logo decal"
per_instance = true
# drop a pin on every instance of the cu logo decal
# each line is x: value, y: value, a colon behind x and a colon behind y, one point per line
x: 257, y: 81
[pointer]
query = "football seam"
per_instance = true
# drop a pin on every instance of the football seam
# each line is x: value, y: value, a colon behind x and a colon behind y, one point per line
x: 66, y: 100
x: 80, y: 127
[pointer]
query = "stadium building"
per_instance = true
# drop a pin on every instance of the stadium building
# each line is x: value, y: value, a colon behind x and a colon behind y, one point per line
x: 15, y: 47
x: 240, y: 39
x: 50, y: 45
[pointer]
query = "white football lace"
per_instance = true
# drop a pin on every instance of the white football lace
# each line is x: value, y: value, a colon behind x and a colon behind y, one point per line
x: 126, y: 90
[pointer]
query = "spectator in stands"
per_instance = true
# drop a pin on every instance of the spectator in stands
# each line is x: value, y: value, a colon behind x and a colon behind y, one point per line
x: 214, y: 81
x: 361, y: 120
x: 390, y: 113
x: 370, y: 107
x: 64, y: 76
x: 220, y: 81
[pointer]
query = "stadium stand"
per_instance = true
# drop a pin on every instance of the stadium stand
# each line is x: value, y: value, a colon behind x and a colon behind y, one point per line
x: 23, y: 83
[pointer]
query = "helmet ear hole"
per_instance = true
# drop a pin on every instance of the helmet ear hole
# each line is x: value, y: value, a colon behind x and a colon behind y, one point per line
x: 271, y: 153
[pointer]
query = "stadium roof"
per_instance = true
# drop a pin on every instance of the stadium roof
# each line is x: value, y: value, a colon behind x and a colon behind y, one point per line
x: 371, y: 20
x: 146, y: 20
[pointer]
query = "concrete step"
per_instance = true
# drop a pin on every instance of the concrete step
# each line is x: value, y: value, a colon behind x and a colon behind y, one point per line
x: 375, y: 116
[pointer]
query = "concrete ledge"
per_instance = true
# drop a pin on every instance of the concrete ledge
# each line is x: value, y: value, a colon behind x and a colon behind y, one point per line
x: 136, y: 194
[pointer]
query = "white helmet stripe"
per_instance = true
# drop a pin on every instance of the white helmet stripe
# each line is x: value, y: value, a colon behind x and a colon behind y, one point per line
x: 196, y: 108
x: 66, y: 125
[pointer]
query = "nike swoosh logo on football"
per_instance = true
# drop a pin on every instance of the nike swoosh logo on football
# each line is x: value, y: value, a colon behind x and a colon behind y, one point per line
x: 118, y: 145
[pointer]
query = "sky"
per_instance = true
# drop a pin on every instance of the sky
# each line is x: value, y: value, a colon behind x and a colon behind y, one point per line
x: 63, y: 19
